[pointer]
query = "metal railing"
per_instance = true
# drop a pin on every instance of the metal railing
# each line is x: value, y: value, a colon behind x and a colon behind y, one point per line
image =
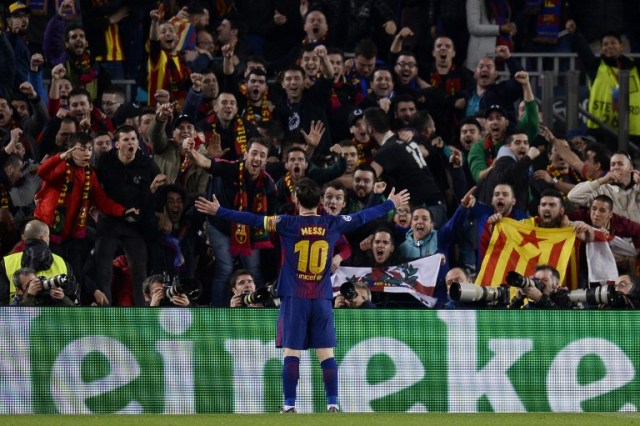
x: 555, y: 75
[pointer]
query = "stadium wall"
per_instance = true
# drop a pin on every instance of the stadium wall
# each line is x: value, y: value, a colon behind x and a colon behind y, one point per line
x: 180, y: 361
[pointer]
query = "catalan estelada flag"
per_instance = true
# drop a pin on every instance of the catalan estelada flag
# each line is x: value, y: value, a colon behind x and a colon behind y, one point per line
x: 520, y: 247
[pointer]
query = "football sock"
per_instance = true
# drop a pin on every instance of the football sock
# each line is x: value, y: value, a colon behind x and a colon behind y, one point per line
x: 290, y: 376
x: 330, y: 379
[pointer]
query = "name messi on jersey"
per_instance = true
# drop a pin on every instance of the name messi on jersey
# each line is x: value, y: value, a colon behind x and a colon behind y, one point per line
x: 313, y: 230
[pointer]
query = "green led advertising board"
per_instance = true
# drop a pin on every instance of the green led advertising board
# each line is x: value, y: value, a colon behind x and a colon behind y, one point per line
x: 181, y: 361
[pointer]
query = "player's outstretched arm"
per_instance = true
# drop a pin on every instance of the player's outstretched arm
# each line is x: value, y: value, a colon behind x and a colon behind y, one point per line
x: 366, y: 215
x: 213, y: 208
x: 400, y: 198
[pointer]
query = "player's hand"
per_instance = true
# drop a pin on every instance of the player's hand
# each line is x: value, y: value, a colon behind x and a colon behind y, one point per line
x: 208, y: 207
x: 400, y: 198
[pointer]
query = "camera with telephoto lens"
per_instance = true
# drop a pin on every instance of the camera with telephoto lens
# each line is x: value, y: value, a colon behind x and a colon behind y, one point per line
x: 605, y: 295
x: 261, y: 295
x: 470, y: 293
x: 61, y: 281
x: 190, y: 287
x: 514, y: 279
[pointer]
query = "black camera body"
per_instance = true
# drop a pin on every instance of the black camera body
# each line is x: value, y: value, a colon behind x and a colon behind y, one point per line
x: 514, y: 279
x: 261, y: 295
x: 189, y: 286
x: 348, y: 290
x: 58, y: 281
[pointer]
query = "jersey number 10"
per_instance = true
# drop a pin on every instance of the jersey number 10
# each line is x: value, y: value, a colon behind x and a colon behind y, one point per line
x: 312, y: 257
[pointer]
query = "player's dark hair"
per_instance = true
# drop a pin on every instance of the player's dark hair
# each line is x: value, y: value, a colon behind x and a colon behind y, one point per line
x: 308, y: 193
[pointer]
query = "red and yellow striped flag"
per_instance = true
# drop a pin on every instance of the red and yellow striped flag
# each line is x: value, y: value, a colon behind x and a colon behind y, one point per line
x: 520, y: 247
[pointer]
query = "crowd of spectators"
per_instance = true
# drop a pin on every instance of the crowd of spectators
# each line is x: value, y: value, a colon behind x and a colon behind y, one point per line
x: 116, y: 115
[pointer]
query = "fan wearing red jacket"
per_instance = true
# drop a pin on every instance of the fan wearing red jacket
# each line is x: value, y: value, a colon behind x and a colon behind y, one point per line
x: 70, y: 188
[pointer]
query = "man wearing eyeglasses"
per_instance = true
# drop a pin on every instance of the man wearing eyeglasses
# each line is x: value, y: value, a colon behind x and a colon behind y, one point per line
x: 629, y: 292
x: 112, y: 98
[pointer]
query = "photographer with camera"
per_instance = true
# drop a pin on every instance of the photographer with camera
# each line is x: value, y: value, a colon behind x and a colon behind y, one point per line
x: 628, y: 288
x: 543, y: 290
x: 32, y: 290
x: 244, y: 291
x: 624, y: 294
x: 354, y: 295
x: 38, y: 256
x: 464, y: 294
x: 157, y: 292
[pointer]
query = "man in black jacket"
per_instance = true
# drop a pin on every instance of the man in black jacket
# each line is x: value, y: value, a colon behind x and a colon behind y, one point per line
x: 129, y: 178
